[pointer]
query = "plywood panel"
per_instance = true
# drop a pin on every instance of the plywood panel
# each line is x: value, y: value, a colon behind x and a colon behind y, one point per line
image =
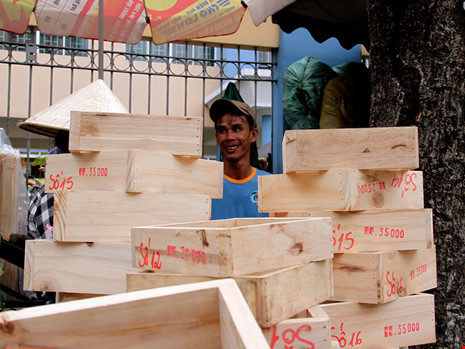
x: 163, y: 317
x: 209, y: 249
x: 341, y: 190
x: 381, y: 148
x: 111, y: 131
x: 404, y: 322
x: 272, y: 297
x: 380, y: 277
x: 375, y: 230
x: 106, y: 216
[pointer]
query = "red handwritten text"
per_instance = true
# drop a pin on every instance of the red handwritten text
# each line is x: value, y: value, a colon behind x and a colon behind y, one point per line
x: 343, y: 239
x: 418, y: 271
x: 387, y: 232
x: 93, y: 171
x: 395, y: 286
x: 355, y: 338
x: 289, y: 336
x: 370, y: 187
x: 390, y: 331
x: 408, y: 180
x: 144, y: 253
x: 60, y: 182
x: 187, y: 254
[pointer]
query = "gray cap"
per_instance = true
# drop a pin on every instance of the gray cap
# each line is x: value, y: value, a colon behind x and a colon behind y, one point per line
x: 223, y: 106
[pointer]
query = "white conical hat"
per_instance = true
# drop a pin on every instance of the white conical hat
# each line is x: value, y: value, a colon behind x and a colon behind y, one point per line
x: 95, y: 97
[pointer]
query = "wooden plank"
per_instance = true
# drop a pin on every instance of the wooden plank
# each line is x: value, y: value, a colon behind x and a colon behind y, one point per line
x: 380, y: 277
x: 375, y: 230
x: 98, y: 268
x: 68, y: 296
x: 238, y: 327
x: 107, y: 171
x: 90, y: 131
x: 87, y: 215
x: 248, y: 247
x: 406, y: 321
x: 272, y: 296
x: 381, y: 148
x: 341, y: 190
x: 163, y: 317
x: 134, y: 171
x: 165, y: 173
x: 311, y: 331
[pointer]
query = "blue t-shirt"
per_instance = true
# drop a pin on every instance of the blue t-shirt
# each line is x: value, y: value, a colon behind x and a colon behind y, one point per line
x: 240, y: 198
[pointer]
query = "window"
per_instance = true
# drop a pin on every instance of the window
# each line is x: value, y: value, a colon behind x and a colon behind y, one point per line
x: 264, y: 58
x: 54, y: 42
x: 13, y: 39
x: 177, y: 52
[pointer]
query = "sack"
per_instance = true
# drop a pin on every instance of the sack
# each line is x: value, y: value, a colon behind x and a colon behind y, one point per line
x: 304, y: 83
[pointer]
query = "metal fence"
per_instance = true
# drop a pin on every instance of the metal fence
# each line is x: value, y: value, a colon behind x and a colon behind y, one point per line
x: 172, y: 79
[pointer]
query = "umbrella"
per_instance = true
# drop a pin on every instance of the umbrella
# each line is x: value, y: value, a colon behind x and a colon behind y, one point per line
x: 125, y: 20
x: 346, y: 20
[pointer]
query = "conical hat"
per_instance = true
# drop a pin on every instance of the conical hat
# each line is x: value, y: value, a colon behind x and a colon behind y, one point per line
x: 95, y: 97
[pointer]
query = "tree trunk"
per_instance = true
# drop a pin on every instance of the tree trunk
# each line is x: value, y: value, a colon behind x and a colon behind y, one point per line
x: 418, y: 78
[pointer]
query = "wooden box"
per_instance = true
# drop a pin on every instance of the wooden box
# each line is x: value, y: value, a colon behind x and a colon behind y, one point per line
x: 177, y: 135
x: 310, y: 330
x: 76, y: 267
x: 381, y: 148
x: 272, y: 296
x: 380, y: 277
x: 376, y: 230
x: 406, y: 321
x: 231, y: 247
x: 341, y: 190
x: 204, y: 315
x: 87, y: 215
x: 134, y: 171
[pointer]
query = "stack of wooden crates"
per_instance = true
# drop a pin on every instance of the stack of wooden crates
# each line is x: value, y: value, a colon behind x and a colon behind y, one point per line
x: 114, y: 180
x: 382, y: 235
x: 111, y: 184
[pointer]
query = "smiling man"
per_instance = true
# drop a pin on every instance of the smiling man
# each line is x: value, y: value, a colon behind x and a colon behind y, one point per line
x: 236, y: 129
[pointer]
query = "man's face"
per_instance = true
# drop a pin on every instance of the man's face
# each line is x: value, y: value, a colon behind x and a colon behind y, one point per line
x: 234, y: 136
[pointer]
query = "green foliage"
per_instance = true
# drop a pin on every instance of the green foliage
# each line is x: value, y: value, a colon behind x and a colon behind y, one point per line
x: 40, y: 161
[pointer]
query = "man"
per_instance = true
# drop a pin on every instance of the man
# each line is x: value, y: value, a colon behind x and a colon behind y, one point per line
x: 236, y: 129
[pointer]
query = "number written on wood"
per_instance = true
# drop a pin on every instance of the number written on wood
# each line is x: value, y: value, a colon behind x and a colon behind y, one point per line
x: 93, y: 171
x: 291, y: 337
x: 395, y: 286
x: 343, y: 241
x: 61, y: 182
x: 351, y: 340
x: 155, y: 261
x: 186, y: 254
x: 396, y: 330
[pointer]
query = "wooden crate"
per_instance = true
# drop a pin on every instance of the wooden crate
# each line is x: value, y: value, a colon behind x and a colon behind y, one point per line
x: 204, y: 315
x: 177, y: 135
x: 134, y: 171
x: 272, y: 296
x: 380, y: 277
x: 311, y: 330
x: 76, y: 267
x: 341, y: 190
x: 231, y: 247
x: 376, y: 230
x: 106, y: 216
x: 381, y: 148
x: 406, y: 321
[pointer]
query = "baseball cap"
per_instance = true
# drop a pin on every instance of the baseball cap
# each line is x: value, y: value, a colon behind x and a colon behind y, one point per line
x: 223, y: 106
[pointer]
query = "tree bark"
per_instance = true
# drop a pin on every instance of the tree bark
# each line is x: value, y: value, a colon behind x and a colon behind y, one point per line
x: 417, y: 58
